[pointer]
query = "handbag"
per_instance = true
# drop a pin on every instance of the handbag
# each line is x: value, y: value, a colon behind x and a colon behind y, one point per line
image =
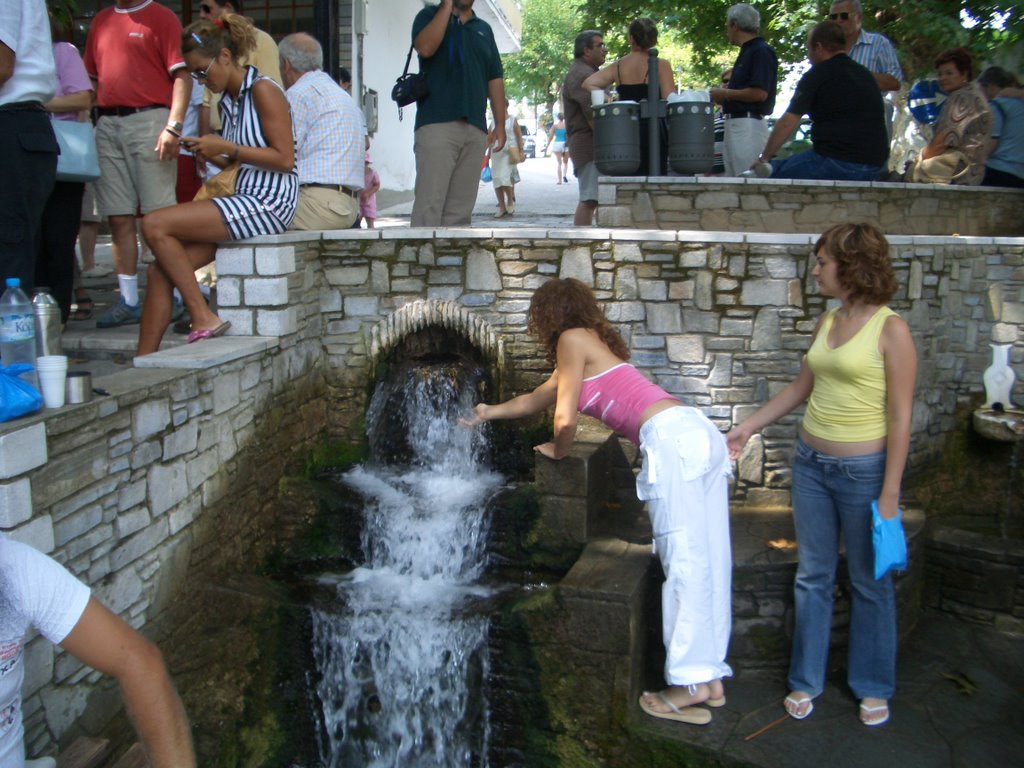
x: 220, y: 185
x: 941, y: 169
x: 485, y: 174
x: 78, y: 160
x: 409, y: 87
x: 515, y: 154
x: 889, y: 542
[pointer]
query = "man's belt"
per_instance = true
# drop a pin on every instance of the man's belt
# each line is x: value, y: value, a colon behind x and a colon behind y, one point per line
x: 22, y: 106
x: 336, y: 187
x: 125, y: 111
x: 733, y: 115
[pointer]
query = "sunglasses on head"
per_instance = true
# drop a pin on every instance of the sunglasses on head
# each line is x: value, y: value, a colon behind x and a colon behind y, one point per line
x: 844, y: 15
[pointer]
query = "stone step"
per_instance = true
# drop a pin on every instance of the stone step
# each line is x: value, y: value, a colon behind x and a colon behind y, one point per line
x: 134, y: 758
x: 84, y: 752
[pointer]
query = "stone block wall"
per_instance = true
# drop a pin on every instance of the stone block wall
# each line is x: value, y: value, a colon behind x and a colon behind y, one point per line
x: 719, y: 319
x: 784, y: 205
x: 175, y: 472
x: 170, y: 477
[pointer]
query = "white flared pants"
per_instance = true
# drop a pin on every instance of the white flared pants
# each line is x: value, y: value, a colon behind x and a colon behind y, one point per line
x: 685, y: 483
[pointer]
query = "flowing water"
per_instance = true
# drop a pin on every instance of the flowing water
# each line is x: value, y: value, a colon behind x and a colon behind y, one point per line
x: 402, y: 657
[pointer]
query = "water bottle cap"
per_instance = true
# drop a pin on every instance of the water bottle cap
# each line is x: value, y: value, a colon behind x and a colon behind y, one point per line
x: 13, y: 282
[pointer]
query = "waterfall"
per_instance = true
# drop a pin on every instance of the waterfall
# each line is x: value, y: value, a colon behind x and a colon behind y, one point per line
x: 401, y: 659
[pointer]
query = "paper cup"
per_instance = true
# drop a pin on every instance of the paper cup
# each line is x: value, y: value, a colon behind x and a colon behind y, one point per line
x: 596, y: 98
x: 52, y: 371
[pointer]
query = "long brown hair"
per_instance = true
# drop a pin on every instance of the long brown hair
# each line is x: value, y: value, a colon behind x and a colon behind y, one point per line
x: 565, y: 303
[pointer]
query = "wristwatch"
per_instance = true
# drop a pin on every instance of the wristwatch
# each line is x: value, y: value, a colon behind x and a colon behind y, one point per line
x: 175, y: 127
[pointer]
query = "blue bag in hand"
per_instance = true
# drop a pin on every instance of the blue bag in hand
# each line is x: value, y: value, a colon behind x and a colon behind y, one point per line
x: 485, y: 174
x: 17, y: 396
x: 890, y: 543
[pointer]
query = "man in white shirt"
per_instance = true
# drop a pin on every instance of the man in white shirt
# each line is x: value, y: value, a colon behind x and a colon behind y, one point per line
x: 36, y: 591
x: 329, y: 138
x: 28, y: 163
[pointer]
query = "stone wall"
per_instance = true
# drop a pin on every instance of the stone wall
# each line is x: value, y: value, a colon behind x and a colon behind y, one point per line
x: 173, y: 475
x: 175, y: 472
x: 784, y: 205
x: 719, y: 319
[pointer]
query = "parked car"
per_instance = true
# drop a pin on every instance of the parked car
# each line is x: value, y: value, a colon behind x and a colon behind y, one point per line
x: 529, y: 141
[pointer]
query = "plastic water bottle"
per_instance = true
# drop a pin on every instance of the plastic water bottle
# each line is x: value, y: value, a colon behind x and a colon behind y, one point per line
x: 18, y: 329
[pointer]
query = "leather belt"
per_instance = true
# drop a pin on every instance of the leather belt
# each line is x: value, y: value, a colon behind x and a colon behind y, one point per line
x: 125, y: 111
x: 754, y: 115
x: 336, y: 187
x: 22, y: 106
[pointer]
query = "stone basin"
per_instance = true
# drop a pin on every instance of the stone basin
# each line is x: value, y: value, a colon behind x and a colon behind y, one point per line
x: 1005, y: 426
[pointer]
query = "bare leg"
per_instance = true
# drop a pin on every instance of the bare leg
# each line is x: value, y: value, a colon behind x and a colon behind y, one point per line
x: 125, y: 246
x: 584, y: 214
x: 87, y: 233
x: 177, y: 259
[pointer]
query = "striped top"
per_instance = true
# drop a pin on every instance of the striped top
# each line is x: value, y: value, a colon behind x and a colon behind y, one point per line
x: 277, y: 191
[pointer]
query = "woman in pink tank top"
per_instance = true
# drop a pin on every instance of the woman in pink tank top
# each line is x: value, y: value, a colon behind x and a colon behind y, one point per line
x: 684, y: 482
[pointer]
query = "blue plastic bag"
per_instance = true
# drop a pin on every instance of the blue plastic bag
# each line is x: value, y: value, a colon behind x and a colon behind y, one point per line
x: 17, y: 396
x: 889, y: 542
x: 485, y: 174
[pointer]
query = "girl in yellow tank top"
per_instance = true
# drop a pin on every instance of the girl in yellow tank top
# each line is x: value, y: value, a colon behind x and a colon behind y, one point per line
x: 858, y: 377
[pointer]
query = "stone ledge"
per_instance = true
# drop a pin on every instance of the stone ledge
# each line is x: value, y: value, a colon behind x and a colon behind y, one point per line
x: 207, y: 354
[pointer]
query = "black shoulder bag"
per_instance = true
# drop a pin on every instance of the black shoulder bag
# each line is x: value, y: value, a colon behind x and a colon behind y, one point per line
x: 409, y: 88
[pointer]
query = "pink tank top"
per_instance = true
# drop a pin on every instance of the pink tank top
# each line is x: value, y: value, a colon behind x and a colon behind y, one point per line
x: 618, y: 397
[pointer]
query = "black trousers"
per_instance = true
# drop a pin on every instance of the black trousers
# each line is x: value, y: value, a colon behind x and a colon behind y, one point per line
x: 55, y: 264
x: 28, y: 165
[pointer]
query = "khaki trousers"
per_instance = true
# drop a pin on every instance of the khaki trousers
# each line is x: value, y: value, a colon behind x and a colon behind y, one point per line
x: 448, y: 161
x: 320, y: 209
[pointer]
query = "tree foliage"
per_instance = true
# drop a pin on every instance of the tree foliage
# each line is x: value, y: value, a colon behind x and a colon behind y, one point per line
x: 919, y: 29
x: 549, y: 30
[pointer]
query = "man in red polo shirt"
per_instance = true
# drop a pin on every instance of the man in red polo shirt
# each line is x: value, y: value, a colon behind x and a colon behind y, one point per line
x: 133, y: 52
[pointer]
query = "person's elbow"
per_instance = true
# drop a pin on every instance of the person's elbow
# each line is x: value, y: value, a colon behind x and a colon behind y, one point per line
x: 758, y: 96
x: 141, y: 665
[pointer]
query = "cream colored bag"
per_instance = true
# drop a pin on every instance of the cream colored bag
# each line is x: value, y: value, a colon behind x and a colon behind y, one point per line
x: 942, y: 169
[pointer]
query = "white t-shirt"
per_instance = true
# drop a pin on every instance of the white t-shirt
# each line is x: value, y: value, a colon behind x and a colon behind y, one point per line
x: 25, y: 29
x: 34, y: 590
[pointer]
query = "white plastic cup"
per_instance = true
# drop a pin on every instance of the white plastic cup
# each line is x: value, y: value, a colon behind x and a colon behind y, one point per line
x: 596, y: 98
x: 52, y: 371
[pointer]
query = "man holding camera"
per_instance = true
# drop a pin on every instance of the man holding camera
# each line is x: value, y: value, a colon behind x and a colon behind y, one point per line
x: 463, y: 70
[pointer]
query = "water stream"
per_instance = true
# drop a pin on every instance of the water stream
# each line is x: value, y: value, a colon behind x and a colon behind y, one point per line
x: 401, y: 656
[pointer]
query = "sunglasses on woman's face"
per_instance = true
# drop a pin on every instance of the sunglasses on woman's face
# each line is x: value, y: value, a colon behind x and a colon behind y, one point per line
x: 200, y: 77
x: 206, y: 8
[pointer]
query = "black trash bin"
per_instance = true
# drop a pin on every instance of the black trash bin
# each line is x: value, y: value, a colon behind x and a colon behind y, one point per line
x: 691, y: 136
x: 617, y: 138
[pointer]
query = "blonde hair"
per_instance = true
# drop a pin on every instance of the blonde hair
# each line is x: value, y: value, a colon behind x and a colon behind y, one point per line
x: 232, y: 31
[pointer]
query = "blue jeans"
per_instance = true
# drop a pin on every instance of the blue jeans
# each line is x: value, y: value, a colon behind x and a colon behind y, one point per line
x: 811, y: 165
x: 830, y: 495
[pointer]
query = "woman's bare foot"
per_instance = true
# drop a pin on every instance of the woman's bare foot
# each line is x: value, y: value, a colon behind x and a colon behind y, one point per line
x: 679, y: 696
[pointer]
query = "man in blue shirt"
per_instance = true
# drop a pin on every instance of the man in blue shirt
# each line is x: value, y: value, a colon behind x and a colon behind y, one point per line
x: 463, y: 70
x: 750, y: 96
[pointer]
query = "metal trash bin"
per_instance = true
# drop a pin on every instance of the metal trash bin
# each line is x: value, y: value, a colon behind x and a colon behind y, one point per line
x: 617, y: 138
x: 691, y: 136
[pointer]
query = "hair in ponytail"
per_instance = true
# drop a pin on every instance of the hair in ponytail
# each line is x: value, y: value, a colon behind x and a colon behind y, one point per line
x: 232, y: 31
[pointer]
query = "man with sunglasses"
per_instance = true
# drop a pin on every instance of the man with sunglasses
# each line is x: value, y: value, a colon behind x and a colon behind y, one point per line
x: 869, y: 49
x: 133, y: 54
x: 590, y: 52
x: 264, y: 57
